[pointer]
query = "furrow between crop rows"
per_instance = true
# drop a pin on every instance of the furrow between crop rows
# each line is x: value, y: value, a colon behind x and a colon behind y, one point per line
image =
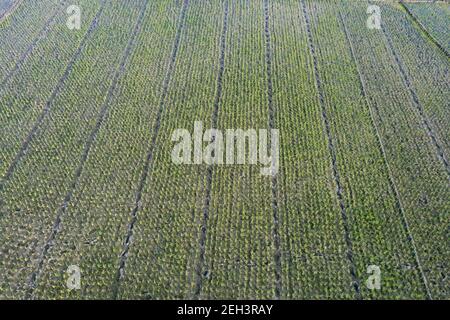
x: 94, y: 224
x: 271, y: 118
x: 42, y: 34
x: 426, y: 69
x: 416, y: 20
x: 20, y: 30
x: 333, y: 157
x: 23, y: 149
x: 53, y: 156
x: 417, y: 103
x: 149, y: 159
x: 418, y: 174
x: 87, y: 148
x: 26, y: 97
x: 209, y: 175
x: 383, y: 152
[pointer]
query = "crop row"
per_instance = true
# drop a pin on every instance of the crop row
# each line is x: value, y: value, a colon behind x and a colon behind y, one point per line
x: 39, y: 187
x: 434, y: 18
x: 20, y: 32
x: 240, y: 249
x: 170, y: 226
x: 153, y: 148
x: 427, y: 70
x: 419, y: 176
x: 371, y: 221
x: 95, y: 225
x: 200, y: 267
x: 311, y: 225
x: 32, y: 89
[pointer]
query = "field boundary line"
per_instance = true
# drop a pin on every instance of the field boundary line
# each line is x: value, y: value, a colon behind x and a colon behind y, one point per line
x: 393, y: 186
x: 42, y: 34
x: 10, y: 11
x: 149, y: 159
x: 209, y: 177
x: 101, y: 119
x: 274, y: 180
x: 416, y: 102
x: 48, y: 104
x: 331, y: 148
x: 416, y: 20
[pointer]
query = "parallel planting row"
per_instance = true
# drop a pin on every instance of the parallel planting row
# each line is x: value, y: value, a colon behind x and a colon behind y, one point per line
x: 33, y: 201
x: 21, y: 32
x: 86, y: 170
x: 418, y: 173
x: 434, y: 18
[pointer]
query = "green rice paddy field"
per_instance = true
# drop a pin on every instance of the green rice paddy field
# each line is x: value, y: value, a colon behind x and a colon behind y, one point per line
x: 87, y: 179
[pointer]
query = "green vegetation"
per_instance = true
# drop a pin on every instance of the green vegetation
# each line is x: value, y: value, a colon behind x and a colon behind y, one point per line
x: 87, y: 178
x: 434, y: 18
